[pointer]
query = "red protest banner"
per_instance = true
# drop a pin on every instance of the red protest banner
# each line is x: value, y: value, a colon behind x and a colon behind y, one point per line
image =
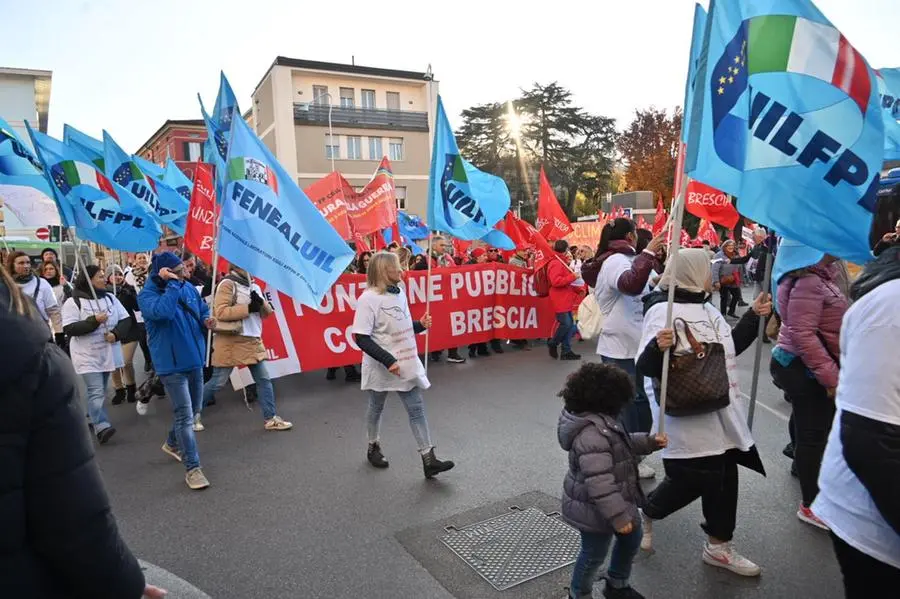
x: 199, y: 232
x: 375, y: 207
x: 586, y: 233
x: 469, y: 304
x: 551, y: 221
x: 330, y: 195
x: 709, y: 203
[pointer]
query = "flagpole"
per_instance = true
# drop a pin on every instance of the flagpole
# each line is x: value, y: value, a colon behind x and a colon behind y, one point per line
x: 754, y: 386
x: 428, y: 304
x: 215, y: 270
x: 677, y: 218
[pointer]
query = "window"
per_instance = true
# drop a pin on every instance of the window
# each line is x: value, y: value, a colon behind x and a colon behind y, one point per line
x: 393, y: 100
x: 375, y: 151
x: 192, y: 151
x: 332, y: 147
x: 400, y: 194
x: 320, y: 94
x: 347, y: 96
x: 354, y: 147
x: 396, y: 149
x: 368, y: 98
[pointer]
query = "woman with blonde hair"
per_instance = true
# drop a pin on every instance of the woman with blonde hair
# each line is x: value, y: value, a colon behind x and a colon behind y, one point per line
x: 385, y: 332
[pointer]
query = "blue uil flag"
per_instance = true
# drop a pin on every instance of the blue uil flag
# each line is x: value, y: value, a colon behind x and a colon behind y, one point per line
x: 89, y: 201
x: 693, y: 68
x: 271, y: 228
x: 889, y: 92
x: 218, y: 128
x: 786, y: 117
x: 462, y: 200
x: 172, y: 188
x: 23, y: 187
x: 84, y: 143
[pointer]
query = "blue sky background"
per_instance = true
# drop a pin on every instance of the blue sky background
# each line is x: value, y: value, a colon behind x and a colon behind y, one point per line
x: 127, y: 66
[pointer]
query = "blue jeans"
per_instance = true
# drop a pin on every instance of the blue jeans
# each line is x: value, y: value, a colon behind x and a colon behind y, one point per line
x: 185, y: 391
x: 415, y: 408
x: 636, y: 416
x: 265, y: 391
x: 593, y: 551
x: 96, y: 382
x: 565, y: 331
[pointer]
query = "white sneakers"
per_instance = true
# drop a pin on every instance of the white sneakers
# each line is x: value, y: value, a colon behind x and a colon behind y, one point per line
x: 198, y: 426
x: 647, y: 538
x: 721, y: 556
x: 724, y: 556
x: 645, y: 471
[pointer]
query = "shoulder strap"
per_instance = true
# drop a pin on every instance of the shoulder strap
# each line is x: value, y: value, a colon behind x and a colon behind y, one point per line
x: 37, y: 289
x: 695, y: 345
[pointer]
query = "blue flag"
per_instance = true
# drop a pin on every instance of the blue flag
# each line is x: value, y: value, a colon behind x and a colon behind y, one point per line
x: 84, y: 143
x: 88, y: 200
x: 411, y: 229
x: 462, y: 200
x: 218, y: 128
x: 889, y: 92
x: 693, y: 68
x: 271, y: 228
x: 23, y: 187
x: 172, y: 187
x: 787, y: 118
x: 135, y: 190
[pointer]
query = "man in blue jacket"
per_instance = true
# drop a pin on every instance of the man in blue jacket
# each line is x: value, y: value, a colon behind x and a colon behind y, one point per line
x: 177, y: 320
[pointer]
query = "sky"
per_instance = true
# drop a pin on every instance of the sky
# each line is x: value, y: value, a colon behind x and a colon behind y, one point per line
x: 127, y: 66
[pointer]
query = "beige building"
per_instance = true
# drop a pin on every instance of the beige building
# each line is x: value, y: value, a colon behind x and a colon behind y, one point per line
x: 373, y: 113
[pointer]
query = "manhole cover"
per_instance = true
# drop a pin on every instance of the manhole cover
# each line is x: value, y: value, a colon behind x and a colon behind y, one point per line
x: 516, y: 547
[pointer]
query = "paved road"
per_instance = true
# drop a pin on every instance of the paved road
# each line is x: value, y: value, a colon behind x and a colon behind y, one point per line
x: 300, y: 514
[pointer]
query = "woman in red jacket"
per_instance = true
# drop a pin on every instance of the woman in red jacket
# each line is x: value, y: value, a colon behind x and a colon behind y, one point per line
x: 566, y: 292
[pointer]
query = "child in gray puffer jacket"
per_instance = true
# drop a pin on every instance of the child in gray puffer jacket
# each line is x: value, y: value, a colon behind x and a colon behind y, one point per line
x: 601, y: 494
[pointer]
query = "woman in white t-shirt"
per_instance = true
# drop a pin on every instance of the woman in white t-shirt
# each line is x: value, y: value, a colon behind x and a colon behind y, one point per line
x: 386, y: 333
x: 620, y: 284
x: 705, y: 449
x: 94, y: 328
x: 36, y: 288
x: 858, y: 482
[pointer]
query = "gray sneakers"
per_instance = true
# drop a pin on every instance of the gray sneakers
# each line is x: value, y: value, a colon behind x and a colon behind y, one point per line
x: 196, y: 480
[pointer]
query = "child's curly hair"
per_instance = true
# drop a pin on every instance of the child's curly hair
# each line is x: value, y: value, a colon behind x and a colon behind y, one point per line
x: 599, y: 388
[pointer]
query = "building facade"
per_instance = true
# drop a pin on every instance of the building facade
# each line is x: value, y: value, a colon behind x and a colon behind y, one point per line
x: 24, y: 96
x: 181, y: 140
x: 318, y: 116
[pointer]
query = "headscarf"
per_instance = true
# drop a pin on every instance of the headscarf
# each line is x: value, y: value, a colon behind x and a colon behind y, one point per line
x: 693, y: 270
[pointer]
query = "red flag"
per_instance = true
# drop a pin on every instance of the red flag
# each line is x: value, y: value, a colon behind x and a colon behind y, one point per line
x: 375, y: 207
x: 330, y: 195
x: 361, y: 243
x: 551, y: 221
x: 395, y: 233
x: 200, y: 231
x: 641, y: 223
x: 659, y: 221
x: 543, y: 253
x: 708, y: 233
x: 378, y: 241
x: 460, y: 247
x: 685, y: 239
x: 709, y: 203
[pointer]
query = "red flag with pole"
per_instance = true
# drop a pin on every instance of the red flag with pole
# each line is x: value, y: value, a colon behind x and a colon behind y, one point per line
x: 659, y: 221
x: 709, y: 203
x: 330, y: 195
x: 375, y: 207
x: 552, y: 221
x: 203, y: 214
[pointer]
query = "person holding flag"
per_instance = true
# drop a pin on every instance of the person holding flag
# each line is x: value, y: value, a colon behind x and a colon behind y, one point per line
x: 385, y: 332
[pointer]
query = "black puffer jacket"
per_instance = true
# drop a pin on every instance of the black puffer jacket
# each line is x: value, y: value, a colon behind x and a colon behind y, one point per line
x: 58, y: 537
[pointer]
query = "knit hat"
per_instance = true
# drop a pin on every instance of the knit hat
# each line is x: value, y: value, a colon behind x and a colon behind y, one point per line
x: 478, y: 253
x: 164, y: 260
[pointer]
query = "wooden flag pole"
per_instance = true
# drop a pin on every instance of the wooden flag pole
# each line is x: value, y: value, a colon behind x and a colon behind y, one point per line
x: 677, y: 218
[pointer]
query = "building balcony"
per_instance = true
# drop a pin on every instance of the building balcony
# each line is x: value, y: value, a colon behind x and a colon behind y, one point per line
x: 306, y: 113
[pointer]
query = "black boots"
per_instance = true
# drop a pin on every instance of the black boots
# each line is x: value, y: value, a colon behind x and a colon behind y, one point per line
x: 375, y: 457
x: 131, y: 393
x: 570, y: 355
x: 433, y: 466
x: 554, y: 351
x: 119, y: 397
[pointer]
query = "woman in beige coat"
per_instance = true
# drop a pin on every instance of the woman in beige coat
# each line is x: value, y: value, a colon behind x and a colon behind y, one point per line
x: 239, y: 308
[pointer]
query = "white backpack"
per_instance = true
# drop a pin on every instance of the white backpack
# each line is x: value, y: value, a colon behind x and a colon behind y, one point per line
x: 590, y: 318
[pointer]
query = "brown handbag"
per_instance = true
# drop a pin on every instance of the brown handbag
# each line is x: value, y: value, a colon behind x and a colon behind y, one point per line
x: 698, y: 381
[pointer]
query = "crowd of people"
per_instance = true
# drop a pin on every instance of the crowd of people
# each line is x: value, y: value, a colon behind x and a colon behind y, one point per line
x: 844, y: 431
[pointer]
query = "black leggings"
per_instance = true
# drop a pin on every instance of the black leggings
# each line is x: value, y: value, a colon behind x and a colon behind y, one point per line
x: 734, y: 293
x: 145, y: 349
x: 813, y: 412
x: 862, y: 573
x: 713, y: 479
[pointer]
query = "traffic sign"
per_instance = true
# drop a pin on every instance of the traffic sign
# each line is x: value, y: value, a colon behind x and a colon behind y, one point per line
x: 43, y: 234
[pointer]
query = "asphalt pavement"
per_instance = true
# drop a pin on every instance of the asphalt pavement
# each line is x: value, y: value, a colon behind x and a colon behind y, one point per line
x: 300, y: 514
